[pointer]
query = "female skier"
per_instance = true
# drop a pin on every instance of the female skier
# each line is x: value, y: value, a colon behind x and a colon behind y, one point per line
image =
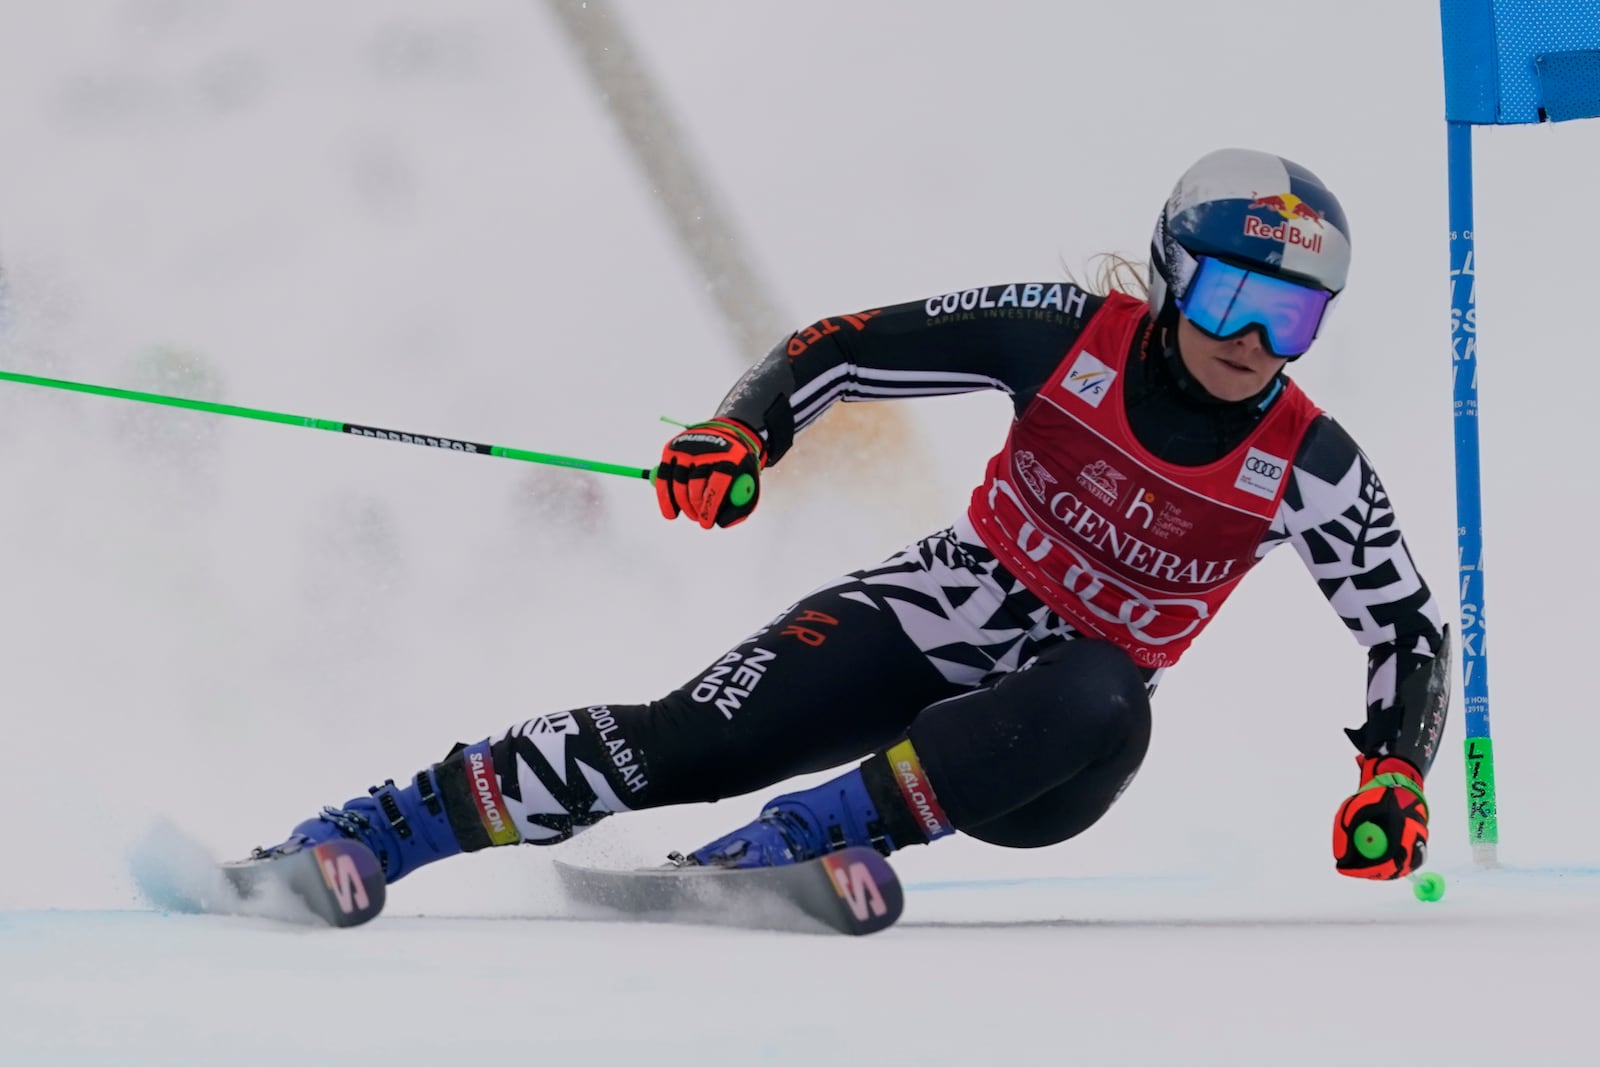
x: 996, y: 675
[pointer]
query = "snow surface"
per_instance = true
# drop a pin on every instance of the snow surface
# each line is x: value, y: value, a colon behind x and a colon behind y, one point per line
x: 416, y: 215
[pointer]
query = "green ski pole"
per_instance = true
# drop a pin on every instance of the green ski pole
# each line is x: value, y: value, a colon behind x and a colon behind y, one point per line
x: 449, y: 444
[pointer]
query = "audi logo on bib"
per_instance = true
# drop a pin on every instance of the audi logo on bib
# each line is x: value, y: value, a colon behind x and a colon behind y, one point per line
x: 1151, y: 620
x: 1107, y: 602
x: 1261, y: 473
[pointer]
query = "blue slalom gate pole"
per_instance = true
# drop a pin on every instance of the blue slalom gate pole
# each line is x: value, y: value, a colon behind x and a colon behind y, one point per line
x: 1483, y: 827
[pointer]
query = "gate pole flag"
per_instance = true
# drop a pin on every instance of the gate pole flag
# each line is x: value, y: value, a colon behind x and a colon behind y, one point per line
x: 1506, y: 62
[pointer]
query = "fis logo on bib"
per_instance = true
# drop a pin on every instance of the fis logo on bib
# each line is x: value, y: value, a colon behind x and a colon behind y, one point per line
x: 1089, y: 380
x: 1260, y: 474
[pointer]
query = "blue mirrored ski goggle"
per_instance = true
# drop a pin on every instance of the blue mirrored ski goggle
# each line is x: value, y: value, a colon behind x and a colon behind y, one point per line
x: 1223, y: 301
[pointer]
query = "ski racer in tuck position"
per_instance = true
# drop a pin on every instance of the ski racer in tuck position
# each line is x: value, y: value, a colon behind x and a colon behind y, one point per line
x: 995, y: 677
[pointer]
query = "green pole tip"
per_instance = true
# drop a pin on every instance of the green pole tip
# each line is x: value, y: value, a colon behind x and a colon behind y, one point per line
x: 742, y: 491
x: 1428, y: 886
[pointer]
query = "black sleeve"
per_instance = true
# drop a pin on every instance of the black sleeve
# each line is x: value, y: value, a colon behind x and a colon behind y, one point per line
x: 1340, y: 520
x: 1006, y: 337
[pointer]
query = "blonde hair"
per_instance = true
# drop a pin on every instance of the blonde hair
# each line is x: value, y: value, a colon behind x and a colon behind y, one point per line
x: 1113, y: 272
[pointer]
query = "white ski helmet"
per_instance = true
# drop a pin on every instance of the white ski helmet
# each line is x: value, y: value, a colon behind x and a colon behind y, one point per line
x: 1252, y: 209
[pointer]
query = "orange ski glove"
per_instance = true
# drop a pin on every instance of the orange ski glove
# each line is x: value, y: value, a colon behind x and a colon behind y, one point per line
x: 1382, y: 831
x: 711, y: 472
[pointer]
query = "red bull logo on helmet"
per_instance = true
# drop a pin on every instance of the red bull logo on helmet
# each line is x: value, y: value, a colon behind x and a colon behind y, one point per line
x: 1292, y: 210
x: 1288, y: 206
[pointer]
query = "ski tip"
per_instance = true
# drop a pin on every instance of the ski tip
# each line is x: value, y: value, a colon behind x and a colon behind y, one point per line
x: 341, y: 882
x: 870, y: 896
x: 337, y: 882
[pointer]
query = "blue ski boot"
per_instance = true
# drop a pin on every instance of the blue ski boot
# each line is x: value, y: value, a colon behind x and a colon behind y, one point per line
x: 451, y: 807
x: 397, y: 824
x: 802, y: 826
